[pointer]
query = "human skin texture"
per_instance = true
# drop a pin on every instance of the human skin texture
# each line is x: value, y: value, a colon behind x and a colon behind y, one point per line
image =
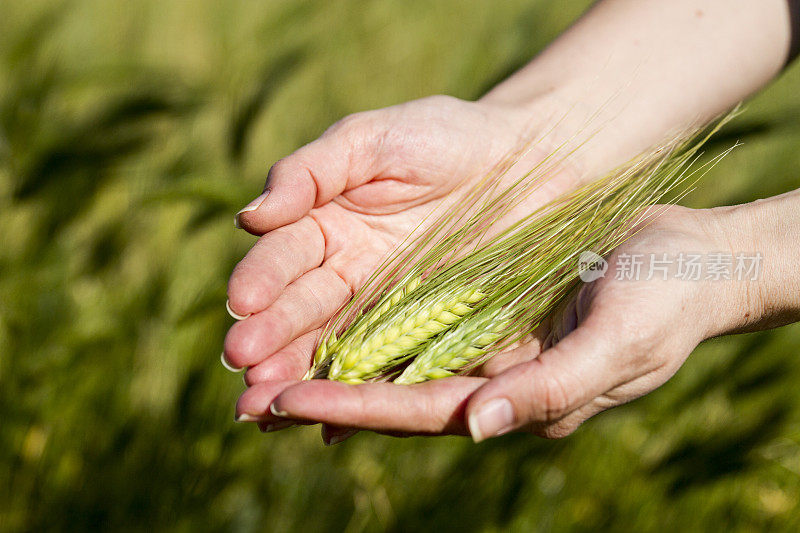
x: 641, y: 69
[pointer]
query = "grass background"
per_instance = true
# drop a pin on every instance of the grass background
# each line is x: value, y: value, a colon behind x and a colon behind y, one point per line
x: 129, y: 134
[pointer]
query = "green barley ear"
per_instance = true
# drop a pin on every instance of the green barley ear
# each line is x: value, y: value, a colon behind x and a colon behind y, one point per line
x: 455, y: 350
x: 396, y: 340
x: 330, y: 345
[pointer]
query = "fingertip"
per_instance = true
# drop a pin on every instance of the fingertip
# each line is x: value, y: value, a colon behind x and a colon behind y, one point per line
x: 241, y: 347
x: 256, y: 400
x: 249, y: 208
x: 276, y: 410
x: 316, y: 398
x: 542, y: 390
x: 278, y: 405
x: 474, y: 428
x: 250, y: 291
x: 291, y: 194
x: 244, y: 417
x: 234, y: 314
x: 311, y: 176
x: 248, y: 405
x: 252, y: 341
x: 277, y: 260
x: 289, y: 363
x: 227, y: 365
x: 490, y: 418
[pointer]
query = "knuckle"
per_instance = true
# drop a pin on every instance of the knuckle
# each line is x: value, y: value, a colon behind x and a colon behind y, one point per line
x: 551, y: 399
x: 315, y: 307
x: 274, y: 270
x: 347, y: 125
x: 279, y: 167
x: 443, y: 100
x: 555, y: 431
x: 281, y: 327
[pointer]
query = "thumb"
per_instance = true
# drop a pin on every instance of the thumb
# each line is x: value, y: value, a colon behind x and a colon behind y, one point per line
x: 311, y: 176
x: 562, y: 379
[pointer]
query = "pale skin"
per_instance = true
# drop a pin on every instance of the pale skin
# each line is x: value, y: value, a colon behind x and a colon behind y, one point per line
x: 339, y: 204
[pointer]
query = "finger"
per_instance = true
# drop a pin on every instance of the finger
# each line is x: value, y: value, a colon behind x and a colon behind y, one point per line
x: 564, y: 318
x: 565, y: 321
x: 304, y: 306
x: 311, y: 176
x: 503, y: 361
x: 270, y: 427
x: 249, y: 407
x: 289, y: 363
x: 561, y: 380
x: 277, y: 259
x: 334, y: 434
x: 253, y: 404
x: 548, y: 341
x: 435, y: 407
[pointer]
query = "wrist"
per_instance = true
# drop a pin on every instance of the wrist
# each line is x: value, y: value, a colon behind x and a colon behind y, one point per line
x: 730, y: 301
x: 768, y: 229
x: 542, y: 124
x: 715, y: 265
x: 561, y: 126
x: 585, y: 118
x: 703, y: 250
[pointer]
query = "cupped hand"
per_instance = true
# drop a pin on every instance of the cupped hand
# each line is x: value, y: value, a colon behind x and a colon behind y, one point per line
x: 335, y: 208
x: 613, y: 340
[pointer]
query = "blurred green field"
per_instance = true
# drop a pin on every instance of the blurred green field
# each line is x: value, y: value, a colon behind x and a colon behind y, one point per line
x: 130, y: 132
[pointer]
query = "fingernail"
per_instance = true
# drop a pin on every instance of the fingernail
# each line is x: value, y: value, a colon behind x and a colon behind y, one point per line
x: 277, y: 426
x: 233, y: 313
x: 492, y: 419
x: 275, y: 411
x: 227, y: 364
x: 244, y: 417
x: 252, y: 206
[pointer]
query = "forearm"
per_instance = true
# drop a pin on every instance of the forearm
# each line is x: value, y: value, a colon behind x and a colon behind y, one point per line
x: 642, y: 69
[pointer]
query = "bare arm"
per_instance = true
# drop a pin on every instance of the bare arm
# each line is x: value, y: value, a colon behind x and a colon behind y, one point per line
x: 653, y: 67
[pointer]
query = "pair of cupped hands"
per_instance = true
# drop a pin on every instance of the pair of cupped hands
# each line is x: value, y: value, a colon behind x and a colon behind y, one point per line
x: 336, y: 207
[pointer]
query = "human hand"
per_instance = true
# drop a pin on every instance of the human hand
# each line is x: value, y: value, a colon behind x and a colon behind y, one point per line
x: 336, y: 207
x: 635, y: 109
x: 612, y: 341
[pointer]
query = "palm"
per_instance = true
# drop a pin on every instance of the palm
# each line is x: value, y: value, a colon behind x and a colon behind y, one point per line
x: 355, y: 242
